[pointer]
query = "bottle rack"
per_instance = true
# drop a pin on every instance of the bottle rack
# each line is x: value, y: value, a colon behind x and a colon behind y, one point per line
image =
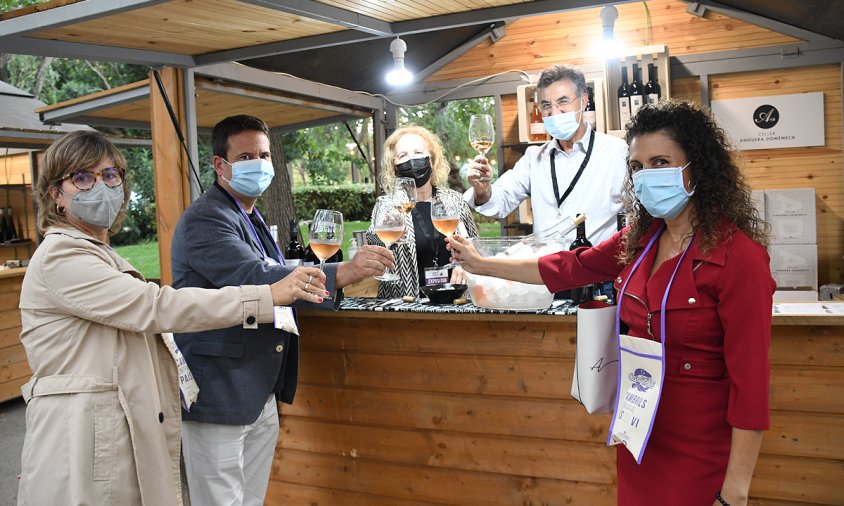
x: 657, y: 55
x: 524, y: 98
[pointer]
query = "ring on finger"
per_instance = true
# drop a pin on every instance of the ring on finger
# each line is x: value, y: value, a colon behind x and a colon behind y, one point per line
x: 306, y: 287
x: 310, y: 278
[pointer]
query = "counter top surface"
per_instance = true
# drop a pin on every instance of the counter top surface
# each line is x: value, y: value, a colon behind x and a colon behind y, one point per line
x: 11, y: 273
x: 368, y: 307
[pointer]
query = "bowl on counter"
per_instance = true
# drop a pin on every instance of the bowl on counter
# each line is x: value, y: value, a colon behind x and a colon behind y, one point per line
x: 443, y: 293
x: 496, y: 293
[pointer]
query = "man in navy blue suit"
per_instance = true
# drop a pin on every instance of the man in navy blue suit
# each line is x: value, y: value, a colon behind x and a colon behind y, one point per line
x: 230, y: 433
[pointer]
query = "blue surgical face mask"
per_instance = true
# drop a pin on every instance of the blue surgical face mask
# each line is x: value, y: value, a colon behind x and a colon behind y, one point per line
x: 562, y: 126
x: 662, y: 191
x: 251, y: 177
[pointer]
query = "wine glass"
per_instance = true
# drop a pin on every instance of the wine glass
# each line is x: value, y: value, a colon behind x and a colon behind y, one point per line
x: 326, y: 234
x: 405, y: 194
x: 446, y: 217
x: 389, y: 225
x: 481, y: 135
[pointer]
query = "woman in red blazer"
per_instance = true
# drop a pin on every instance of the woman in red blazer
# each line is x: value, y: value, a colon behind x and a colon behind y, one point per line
x: 694, y: 235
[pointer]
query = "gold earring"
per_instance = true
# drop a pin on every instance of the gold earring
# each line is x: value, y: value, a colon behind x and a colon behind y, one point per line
x: 59, y: 209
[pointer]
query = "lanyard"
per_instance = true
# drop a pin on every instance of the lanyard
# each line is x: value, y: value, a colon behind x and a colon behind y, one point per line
x: 576, y: 176
x: 667, y: 288
x: 255, y: 231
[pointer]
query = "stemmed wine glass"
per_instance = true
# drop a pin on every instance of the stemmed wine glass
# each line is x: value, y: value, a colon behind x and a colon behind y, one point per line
x: 446, y: 217
x: 405, y: 194
x: 481, y: 135
x: 326, y: 234
x: 389, y: 226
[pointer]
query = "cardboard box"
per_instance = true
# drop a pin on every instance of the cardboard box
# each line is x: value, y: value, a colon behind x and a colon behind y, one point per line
x: 791, y: 214
x: 795, y: 266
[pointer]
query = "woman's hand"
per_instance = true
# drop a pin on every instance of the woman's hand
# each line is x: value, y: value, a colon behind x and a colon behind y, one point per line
x: 458, y: 276
x: 304, y: 283
x: 463, y: 251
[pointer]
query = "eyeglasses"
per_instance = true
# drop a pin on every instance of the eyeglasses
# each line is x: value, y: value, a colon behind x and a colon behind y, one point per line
x: 561, y: 103
x: 85, y: 179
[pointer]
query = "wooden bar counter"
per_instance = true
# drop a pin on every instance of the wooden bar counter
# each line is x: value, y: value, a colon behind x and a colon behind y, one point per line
x: 398, y: 408
x: 14, y: 369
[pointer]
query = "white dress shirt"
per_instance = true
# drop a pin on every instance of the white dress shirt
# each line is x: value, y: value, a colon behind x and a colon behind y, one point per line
x: 597, y: 193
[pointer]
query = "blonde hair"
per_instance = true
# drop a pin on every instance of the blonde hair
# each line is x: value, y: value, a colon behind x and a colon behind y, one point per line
x: 75, y: 151
x: 439, y: 165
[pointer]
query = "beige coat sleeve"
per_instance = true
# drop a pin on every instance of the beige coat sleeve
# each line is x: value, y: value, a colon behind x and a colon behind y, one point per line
x: 81, y: 281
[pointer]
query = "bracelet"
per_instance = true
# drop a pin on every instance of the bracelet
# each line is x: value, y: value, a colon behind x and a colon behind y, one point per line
x: 721, y: 499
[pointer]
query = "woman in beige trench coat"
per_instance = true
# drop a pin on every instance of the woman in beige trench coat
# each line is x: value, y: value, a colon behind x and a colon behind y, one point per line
x: 103, y: 416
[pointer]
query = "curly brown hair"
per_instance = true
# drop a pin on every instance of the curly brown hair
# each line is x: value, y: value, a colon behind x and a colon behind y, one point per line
x: 721, y: 192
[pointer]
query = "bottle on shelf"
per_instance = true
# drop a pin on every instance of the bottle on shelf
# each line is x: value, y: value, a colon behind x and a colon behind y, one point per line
x: 4, y: 227
x: 653, y: 92
x: 294, y: 253
x: 583, y: 293
x: 11, y: 229
x: 623, y: 100
x: 637, y: 89
x: 537, y: 126
x: 589, y: 114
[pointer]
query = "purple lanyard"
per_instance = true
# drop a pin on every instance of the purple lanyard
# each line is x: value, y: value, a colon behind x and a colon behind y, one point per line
x: 661, y: 320
x: 255, y: 231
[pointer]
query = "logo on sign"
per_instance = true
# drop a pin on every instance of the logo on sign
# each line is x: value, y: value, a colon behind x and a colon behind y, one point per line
x: 766, y: 116
x: 642, y: 380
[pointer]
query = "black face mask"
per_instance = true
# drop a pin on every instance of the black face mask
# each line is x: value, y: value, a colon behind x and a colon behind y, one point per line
x: 417, y: 168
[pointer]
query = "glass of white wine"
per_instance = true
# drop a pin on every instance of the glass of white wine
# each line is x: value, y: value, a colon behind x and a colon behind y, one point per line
x: 446, y: 217
x: 405, y: 194
x: 326, y: 234
x: 389, y: 226
x: 481, y: 135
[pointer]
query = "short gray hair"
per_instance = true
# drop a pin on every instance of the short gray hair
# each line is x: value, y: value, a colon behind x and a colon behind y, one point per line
x: 556, y: 73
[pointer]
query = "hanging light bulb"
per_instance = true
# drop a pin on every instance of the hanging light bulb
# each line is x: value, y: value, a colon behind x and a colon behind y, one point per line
x: 399, y: 75
x: 607, y: 46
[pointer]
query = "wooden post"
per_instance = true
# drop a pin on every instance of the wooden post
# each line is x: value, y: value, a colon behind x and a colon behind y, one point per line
x: 170, y: 163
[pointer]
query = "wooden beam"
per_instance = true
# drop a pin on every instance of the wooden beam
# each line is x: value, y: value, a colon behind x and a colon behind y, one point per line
x: 170, y: 164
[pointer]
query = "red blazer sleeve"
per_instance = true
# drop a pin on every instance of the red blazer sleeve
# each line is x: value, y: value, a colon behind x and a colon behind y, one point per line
x: 745, y: 301
x: 583, y: 266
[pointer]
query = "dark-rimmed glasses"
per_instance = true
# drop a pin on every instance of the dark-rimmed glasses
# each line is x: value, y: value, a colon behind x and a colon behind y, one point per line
x: 85, y: 179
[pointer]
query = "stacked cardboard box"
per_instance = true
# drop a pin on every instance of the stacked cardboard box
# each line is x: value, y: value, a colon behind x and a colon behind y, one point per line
x: 794, y: 244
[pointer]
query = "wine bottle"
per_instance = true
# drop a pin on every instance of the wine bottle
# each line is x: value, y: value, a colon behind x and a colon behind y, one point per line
x: 620, y: 221
x: 653, y: 92
x: 637, y: 95
x: 294, y: 253
x: 11, y: 229
x: 309, y: 259
x: 537, y: 126
x: 583, y: 293
x: 623, y: 100
x: 4, y: 231
x: 589, y: 114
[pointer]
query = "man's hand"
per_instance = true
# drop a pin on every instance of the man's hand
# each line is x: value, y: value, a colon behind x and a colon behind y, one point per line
x: 479, y: 177
x: 368, y: 261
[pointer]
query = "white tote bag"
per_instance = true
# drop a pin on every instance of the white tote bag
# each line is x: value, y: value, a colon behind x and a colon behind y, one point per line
x: 595, y: 379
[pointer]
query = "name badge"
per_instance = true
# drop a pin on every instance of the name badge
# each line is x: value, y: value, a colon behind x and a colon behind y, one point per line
x: 187, y: 385
x: 271, y: 260
x: 284, y: 320
x: 436, y: 275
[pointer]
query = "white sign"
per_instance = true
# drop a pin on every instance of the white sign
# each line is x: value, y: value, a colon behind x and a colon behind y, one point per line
x: 779, y: 121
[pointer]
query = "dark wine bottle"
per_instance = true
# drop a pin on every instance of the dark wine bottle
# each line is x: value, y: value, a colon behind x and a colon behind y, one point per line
x: 653, y: 92
x: 583, y: 293
x: 11, y: 228
x: 637, y: 95
x: 294, y: 253
x: 589, y: 114
x: 623, y: 100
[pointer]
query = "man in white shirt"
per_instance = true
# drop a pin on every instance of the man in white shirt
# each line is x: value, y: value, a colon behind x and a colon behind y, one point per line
x: 579, y: 171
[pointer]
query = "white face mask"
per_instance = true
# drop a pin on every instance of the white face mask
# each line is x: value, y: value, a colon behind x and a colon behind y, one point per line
x: 251, y: 177
x: 98, y: 206
x: 562, y: 126
x: 661, y: 191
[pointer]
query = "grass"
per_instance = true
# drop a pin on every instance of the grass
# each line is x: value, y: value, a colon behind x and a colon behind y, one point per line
x: 144, y: 256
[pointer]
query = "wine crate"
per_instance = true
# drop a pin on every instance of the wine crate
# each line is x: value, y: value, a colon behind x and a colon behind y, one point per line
x: 524, y: 95
x: 642, y: 56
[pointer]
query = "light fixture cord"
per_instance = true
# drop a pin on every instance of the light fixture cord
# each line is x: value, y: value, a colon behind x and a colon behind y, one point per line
x: 648, y: 24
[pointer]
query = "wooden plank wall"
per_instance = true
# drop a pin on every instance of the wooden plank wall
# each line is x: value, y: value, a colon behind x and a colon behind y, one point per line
x: 534, y: 43
x: 455, y: 409
x: 14, y: 368
x: 15, y: 170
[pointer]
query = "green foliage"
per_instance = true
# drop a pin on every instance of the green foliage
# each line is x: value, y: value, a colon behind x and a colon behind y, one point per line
x: 144, y: 257
x: 355, y: 201
x: 325, y: 155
